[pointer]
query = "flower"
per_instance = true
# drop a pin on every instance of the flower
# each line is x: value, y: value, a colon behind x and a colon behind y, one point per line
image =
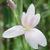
x: 33, y: 36
x: 11, y: 4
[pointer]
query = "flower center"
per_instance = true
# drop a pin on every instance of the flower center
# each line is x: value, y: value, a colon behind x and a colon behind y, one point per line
x: 27, y: 28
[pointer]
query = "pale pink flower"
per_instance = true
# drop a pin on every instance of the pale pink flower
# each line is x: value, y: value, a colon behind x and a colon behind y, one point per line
x: 33, y: 36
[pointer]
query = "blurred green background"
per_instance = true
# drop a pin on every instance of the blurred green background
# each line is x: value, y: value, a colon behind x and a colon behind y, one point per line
x: 9, y: 18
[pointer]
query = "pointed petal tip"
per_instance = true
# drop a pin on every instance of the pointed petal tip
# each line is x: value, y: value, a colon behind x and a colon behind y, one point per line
x: 31, y: 9
x: 23, y: 13
x: 32, y: 4
x: 38, y: 15
x: 35, y: 48
x: 45, y: 44
x: 4, y: 36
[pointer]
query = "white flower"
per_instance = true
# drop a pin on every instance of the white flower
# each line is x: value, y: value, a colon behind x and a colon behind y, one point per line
x: 33, y: 36
x: 11, y: 4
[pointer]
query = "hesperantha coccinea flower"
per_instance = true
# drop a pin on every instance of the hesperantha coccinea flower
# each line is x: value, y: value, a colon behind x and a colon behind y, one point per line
x: 33, y: 36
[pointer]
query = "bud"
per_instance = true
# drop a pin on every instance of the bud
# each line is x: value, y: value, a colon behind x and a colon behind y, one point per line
x: 11, y: 4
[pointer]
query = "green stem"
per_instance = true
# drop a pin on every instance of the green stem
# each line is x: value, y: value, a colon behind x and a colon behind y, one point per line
x: 16, y: 17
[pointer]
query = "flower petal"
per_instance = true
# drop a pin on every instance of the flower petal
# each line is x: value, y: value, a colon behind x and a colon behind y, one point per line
x: 36, y: 20
x: 39, y: 37
x: 31, y: 10
x: 23, y: 18
x: 36, y: 36
x: 30, y: 39
x: 13, y: 32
